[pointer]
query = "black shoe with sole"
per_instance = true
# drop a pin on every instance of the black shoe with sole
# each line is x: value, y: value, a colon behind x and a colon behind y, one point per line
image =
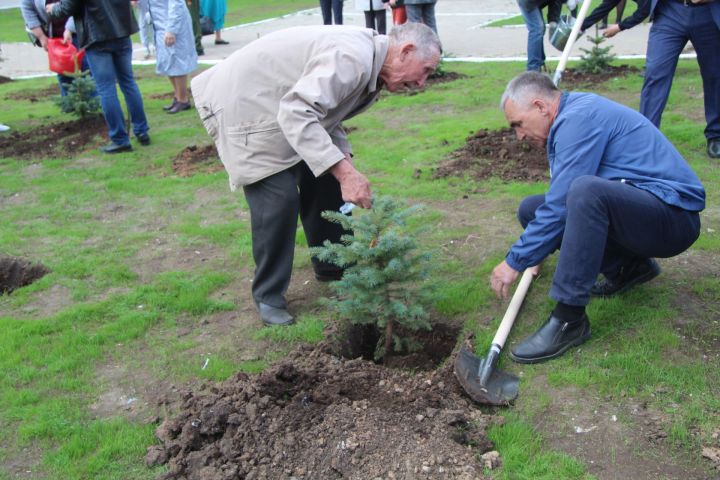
x: 144, y: 139
x: 115, y: 148
x: 274, y: 316
x: 630, y: 275
x: 713, y: 148
x: 168, y: 107
x: 179, y: 107
x: 551, y: 340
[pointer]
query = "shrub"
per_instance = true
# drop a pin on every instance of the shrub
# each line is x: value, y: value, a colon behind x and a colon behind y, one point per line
x: 597, y: 59
x: 81, y: 98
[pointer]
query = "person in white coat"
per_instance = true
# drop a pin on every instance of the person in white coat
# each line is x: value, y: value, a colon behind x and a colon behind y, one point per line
x: 175, y: 44
x: 374, y: 14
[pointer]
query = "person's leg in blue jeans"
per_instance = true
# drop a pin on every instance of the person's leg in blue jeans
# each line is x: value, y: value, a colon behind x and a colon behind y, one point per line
x: 337, y: 8
x: 102, y: 66
x: 428, y: 16
x: 535, y: 24
x: 122, y: 60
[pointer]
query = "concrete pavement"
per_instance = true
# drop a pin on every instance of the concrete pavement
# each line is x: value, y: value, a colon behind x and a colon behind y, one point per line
x: 461, y: 25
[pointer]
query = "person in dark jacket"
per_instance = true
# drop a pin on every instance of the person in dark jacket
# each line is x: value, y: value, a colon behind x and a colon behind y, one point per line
x: 103, y: 29
x: 601, y: 13
x: 674, y: 23
x: 620, y: 194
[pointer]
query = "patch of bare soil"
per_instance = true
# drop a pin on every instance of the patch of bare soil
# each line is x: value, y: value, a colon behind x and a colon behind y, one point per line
x: 496, y: 153
x: 193, y: 160
x: 616, y: 439
x: 315, y: 415
x: 443, y: 77
x: 62, y: 139
x: 35, y: 95
x: 573, y: 78
x: 19, y: 272
x: 4, y: 79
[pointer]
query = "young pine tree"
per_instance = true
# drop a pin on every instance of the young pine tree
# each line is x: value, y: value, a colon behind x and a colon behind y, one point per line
x: 383, y: 284
x: 597, y: 59
x: 81, y: 98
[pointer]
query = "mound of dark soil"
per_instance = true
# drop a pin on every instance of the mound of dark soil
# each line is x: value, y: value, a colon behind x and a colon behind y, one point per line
x: 317, y: 416
x: 499, y: 154
x: 4, y: 79
x: 193, y: 159
x: 63, y: 139
x: 443, y: 77
x: 18, y: 272
x: 573, y: 78
x: 35, y: 95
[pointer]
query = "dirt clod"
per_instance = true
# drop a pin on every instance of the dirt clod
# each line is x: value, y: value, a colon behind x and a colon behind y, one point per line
x: 197, y: 159
x: 496, y: 153
x: 18, y: 272
x: 315, y: 415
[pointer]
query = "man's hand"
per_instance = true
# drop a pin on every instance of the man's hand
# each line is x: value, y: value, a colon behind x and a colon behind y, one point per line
x: 169, y: 39
x: 354, y: 186
x: 67, y: 36
x: 611, y: 31
x: 503, y: 276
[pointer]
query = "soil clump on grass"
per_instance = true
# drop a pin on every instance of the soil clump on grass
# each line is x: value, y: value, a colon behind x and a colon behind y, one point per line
x: 496, y: 153
x: 18, y: 272
x: 63, y: 139
x: 316, y: 415
x: 4, y: 79
x: 572, y: 78
x: 35, y: 95
x: 197, y: 159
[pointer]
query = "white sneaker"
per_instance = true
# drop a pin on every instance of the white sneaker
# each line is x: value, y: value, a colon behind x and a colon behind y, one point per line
x: 4, y: 128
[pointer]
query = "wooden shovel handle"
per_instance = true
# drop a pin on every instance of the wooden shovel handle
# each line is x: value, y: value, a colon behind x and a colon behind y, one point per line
x: 514, y: 307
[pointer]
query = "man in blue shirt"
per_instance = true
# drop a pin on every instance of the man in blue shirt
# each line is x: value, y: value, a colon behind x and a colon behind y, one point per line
x: 620, y: 194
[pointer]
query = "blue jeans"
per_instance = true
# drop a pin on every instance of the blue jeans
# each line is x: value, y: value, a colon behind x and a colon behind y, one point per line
x: 611, y: 224
x: 422, y: 13
x: 673, y: 25
x: 535, y: 24
x: 110, y: 61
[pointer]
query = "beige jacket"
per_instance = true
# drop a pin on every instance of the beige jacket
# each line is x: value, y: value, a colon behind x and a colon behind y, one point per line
x: 281, y: 99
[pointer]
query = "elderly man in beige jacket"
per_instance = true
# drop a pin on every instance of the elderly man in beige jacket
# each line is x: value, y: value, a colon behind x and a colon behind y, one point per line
x: 274, y: 109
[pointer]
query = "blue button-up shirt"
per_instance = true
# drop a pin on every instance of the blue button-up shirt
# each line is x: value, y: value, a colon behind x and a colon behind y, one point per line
x: 592, y: 135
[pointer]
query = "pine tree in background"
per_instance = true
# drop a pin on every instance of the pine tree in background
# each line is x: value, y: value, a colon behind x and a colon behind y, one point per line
x: 81, y: 98
x: 383, y: 284
x: 597, y: 59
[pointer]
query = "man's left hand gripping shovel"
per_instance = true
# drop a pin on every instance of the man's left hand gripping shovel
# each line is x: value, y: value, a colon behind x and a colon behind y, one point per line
x: 478, y: 376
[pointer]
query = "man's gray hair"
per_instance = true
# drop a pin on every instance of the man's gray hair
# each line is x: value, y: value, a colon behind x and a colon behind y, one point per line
x: 526, y: 86
x: 420, y: 35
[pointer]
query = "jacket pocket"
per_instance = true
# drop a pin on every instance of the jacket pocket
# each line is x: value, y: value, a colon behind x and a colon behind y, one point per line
x: 243, y: 133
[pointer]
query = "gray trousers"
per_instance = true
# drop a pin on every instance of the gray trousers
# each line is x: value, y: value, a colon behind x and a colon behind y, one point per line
x: 275, y: 203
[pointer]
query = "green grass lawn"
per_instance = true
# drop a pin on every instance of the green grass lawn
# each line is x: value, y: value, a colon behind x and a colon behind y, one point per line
x: 145, y: 265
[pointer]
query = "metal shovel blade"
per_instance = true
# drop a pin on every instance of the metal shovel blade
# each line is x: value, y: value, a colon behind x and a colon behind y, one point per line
x: 500, y: 389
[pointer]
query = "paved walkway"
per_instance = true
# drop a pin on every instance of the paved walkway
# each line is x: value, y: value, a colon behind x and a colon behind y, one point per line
x: 461, y: 24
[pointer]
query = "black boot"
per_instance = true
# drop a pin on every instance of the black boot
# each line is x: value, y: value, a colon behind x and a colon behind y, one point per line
x: 629, y: 276
x: 551, y: 340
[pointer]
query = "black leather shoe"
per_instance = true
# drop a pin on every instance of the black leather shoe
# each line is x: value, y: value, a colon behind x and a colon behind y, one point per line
x: 144, y: 139
x: 274, y: 316
x: 551, y: 340
x: 629, y: 276
x: 168, y: 107
x: 713, y: 149
x: 179, y: 107
x: 115, y: 148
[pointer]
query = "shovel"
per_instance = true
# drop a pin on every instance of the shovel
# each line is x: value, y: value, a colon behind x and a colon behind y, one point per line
x: 478, y: 376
